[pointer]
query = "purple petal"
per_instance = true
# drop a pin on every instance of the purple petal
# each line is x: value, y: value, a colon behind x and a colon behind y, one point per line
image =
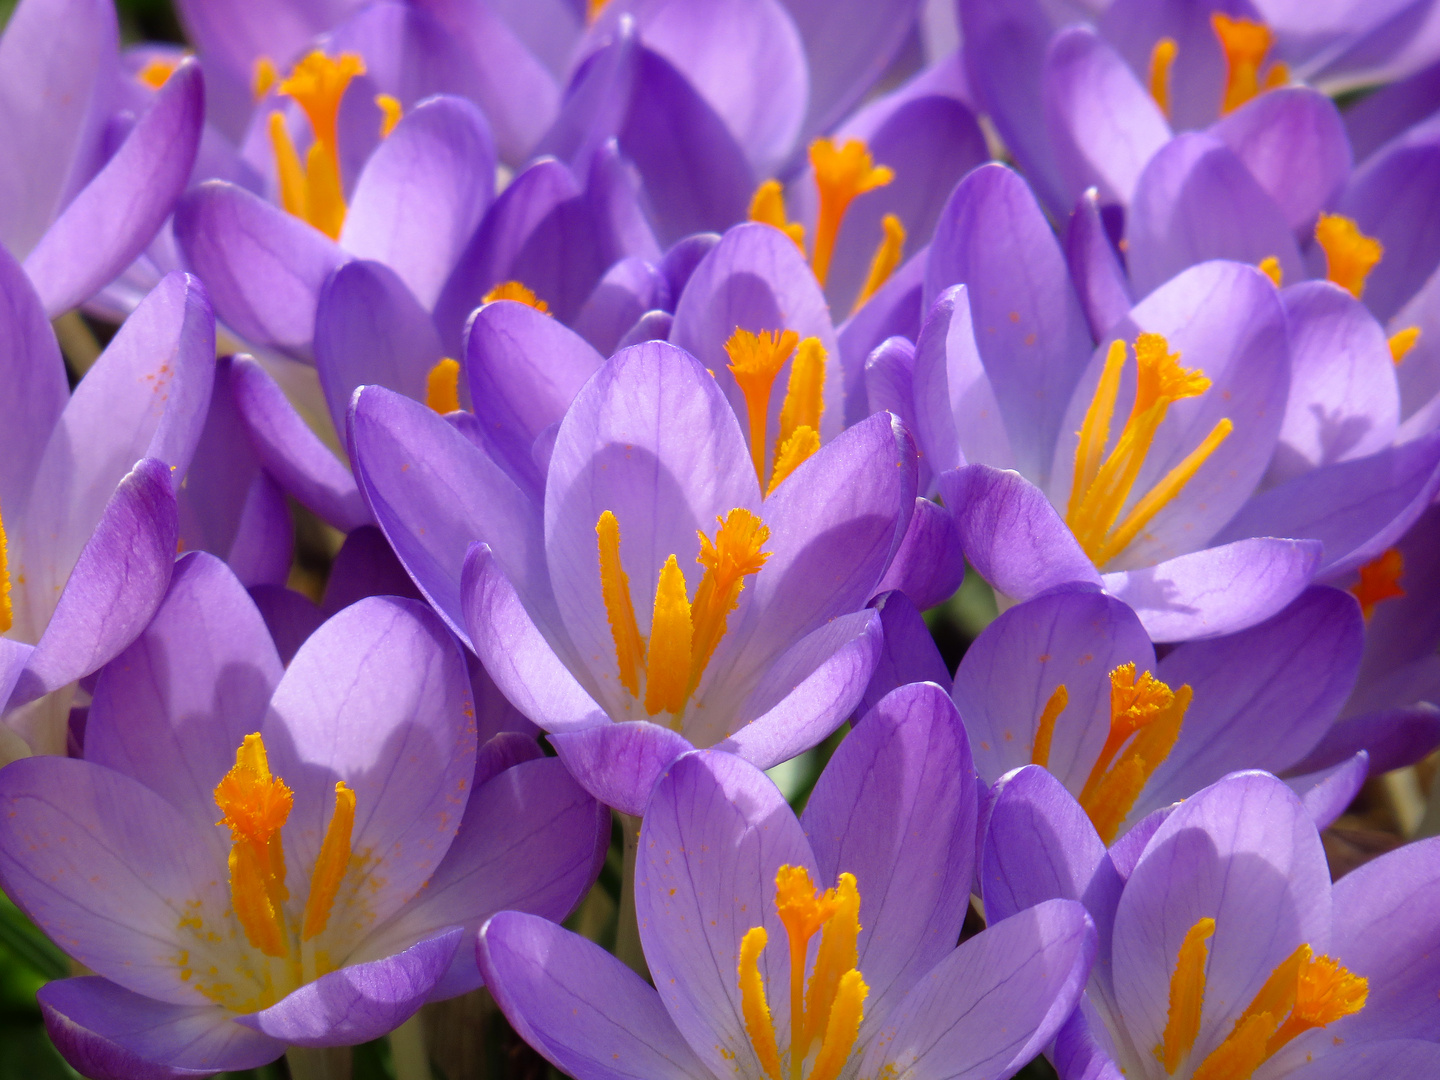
x: 622, y: 225
x: 929, y: 565
x: 909, y: 654
x: 104, y: 1030
x: 1011, y: 534
x: 1031, y: 333
x: 263, y: 267
x: 596, y: 99
x: 1293, y: 142
x: 1391, y: 110
x: 1377, y: 1061
x: 628, y: 290
x: 1327, y: 794
x: 680, y: 261
x: 888, y: 382
x: 578, y: 1005
x: 264, y: 536
x: 1393, y: 739
x: 1095, y: 268
x: 114, y: 218
x: 896, y: 807
x: 422, y: 194
x: 715, y: 833
x: 894, y: 311
x: 1078, y: 1053
x: 1197, y: 78
x: 33, y: 389
x: 361, y: 1002
x: 174, y: 707
x: 848, y: 46
x: 995, y: 1002
x: 365, y: 566
x: 618, y: 763
x: 1217, y: 590
x: 291, y: 452
x: 1197, y: 201
x: 289, y: 616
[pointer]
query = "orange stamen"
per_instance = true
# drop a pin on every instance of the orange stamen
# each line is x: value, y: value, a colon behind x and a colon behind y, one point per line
x: 513, y: 290
x: 1350, y: 255
x: 1379, y: 581
x: 841, y: 175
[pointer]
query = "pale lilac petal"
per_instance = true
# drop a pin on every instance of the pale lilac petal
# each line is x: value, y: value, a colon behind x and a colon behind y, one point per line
x: 1375, y: 1061
x: 290, y: 617
x: 33, y: 389
x: 929, y: 565
x: 618, y: 763
x: 1078, y: 1053
x: 1197, y: 78
x: 848, y: 45
x: 888, y: 379
x: 1095, y: 269
x: 1327, y: 794
x: 1217, y: 590
x: 894, y: 311
x: 622, y: 225
x: 628, y: 290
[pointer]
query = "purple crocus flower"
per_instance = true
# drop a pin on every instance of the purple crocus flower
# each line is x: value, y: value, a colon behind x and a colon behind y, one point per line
x: 575, y: 595
x: 726, y: 874
x: 360, y: 841
x: 1178, y: 513
x: 84, y: 187
x: 1224, y: 950
x: 88, y: 492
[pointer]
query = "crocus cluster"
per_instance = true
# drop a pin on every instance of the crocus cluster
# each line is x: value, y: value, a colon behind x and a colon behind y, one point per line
x: 495, y: 552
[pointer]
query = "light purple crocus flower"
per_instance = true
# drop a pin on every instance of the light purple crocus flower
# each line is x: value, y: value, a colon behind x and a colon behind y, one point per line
x: 890, y: 822
x: 88, y: 486
x: 1224, y: 949
x: 84, y: 187
x: 554, y: 586
x: 361, y: 841
x: 1004, y: 377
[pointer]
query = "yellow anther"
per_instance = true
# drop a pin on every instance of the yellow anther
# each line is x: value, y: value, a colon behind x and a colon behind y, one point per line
x: 442, y: 386
x: 254, y: 805
x: 1187, y: 997
x: 265, y: 76
x: 1271, y: 268
x: 7, y: 612
x: 317, y: 83
x: 756, y: 1009
x: 1162, y: 58
x: 314, y: 192
x: 1350, y: 255
x: 1402, y: 341
x: 837, y: 957
x: 735, y: 555
x: 156, y: 73
x: 667, y: 664
x: 593, y: 8
x: 513, y: 290
x: 841, y: 174
x: 767, y: 206
x: 1045, y: 727
x: 755, y: 360
x: 391, y: 113
x: 330, y: 866
x: 1100, y: 490
x: 798, y: 449
x: 619, y: 609
x: 846, y: 1015
x: 1379, y: 581
x: 294, y: 196
x: 1246, y: 44
x: 1241, y: 1054
x: 804, y: 402
x: 884, y: 261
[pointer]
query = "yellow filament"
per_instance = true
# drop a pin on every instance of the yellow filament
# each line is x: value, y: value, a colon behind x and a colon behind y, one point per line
x: 846, y: 1014
x: 884, y: 261
x: 293, y: 194
x: 755, y: 360
x: 7, y: 612
x: 615, y: 589
x: 265, y: 76
x: 513, y: 290
x: 442, y: 386
x: 330, y: 866
x: 1241, y: 1054
x: 1350, y: 255
x: 837, y: 957
x: 1187, y: 997
x: 593, y: 8
x: 1402, y: 341
x: 392, y: 113
x: 1246, y: 44
x: 1271, y: 268
x: 734, y: 556
x: 841, y: 174
x: 803, y: 443
x: 667, y: 666
x: 1045, y: 728
x: 767, y: 206
x: 156, y: 73
x: 316, y: 83
x: 254, y: 805
x: 804, y: 402
x: 1101, y: 489
x: 758, y: 1023
x: 1162, y: 58
x: 1379, y: 581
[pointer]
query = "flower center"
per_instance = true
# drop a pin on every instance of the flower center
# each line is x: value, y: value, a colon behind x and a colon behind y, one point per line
x: 825, y: 1017
x: 755, y: 361
x: 683, y: 634
x: 254, y: 805
x: 312, y: 191
x: 1102, y: 487
x: 1350, y: 255
x: 1304, y: 992
x: 1246, y: 44
x: 1379, y: 581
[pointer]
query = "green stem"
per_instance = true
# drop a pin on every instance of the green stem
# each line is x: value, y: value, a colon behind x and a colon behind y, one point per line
x: 318, y: 1062
x: 627, y: 931
x: 76, y: 341
x: 408, y: 1052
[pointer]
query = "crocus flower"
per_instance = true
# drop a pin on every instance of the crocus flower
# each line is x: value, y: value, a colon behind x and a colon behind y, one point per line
x: 84, y: 188
x: 1224, y: 949
x: 251, y: 857
x: 88, y: 491
x: 1168, y: 512
x: 732, y: 893
x: 576, y: 596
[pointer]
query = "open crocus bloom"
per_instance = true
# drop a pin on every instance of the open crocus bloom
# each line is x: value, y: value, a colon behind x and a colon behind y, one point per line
x: 251, y: 857
x: 583, y: 606
x: 737, y: 908
x: 88, y: 526
x: 1225, y: 952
